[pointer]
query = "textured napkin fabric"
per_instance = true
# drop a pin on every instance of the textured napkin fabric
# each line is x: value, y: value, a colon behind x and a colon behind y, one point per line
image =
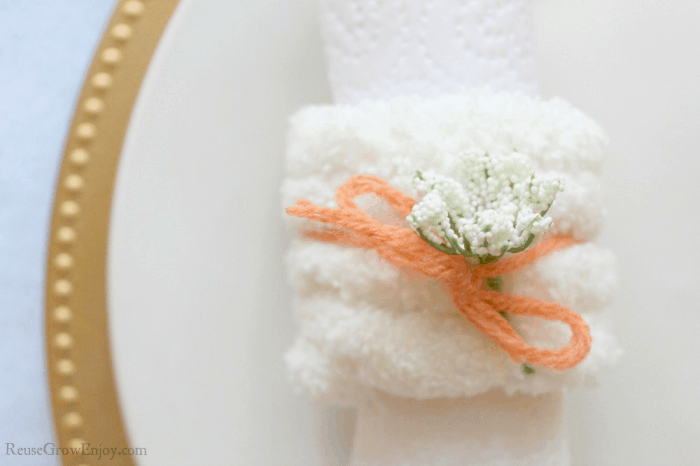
x: 45, y: 49
x: 380, y: 50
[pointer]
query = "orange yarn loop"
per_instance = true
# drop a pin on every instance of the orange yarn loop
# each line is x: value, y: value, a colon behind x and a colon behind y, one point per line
x: 402, y: 247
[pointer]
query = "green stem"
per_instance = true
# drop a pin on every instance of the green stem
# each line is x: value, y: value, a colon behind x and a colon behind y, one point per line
x: 496, y: 284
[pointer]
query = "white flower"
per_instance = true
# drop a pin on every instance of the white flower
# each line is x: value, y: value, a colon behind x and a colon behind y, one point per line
x: 493, y: 205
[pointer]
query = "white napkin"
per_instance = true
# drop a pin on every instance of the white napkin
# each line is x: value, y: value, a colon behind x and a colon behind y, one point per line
x: 382, y: 49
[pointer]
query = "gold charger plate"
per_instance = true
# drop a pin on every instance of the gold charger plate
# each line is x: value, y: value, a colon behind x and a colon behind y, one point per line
x: 83, y: 393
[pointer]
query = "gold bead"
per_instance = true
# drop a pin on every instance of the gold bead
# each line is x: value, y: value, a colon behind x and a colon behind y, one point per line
x: 79, y: 156
x: 65, y: 367
x: 111, y: 56
x: 73, y: 182
x: 66, y: 235
x: 133, y: 8
x: 102, y: 80
x: 63, y: 261
x: 94, y: 105
x: 86, y: 131
x: 72, y: 420
x: 68, y: 393
x: 62, y: 287
x: 62, y: 314
x: 76, y: 444
x: 69, y: 208
x: 63, y: 340
x: 121, y: 31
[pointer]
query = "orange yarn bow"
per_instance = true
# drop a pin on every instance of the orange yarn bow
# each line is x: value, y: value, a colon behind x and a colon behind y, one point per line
x: 403, y: 247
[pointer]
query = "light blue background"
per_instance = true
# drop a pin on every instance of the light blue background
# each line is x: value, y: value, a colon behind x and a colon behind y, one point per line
x: 45, y: 49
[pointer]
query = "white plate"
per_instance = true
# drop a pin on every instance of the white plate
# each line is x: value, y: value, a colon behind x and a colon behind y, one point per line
x: 198, y: 307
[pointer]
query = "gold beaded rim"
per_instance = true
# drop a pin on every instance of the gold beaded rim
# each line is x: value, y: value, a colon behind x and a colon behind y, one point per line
x: 83, y: 393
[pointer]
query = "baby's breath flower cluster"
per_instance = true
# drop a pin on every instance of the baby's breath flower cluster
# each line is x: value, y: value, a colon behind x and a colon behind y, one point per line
x: 493, y: 205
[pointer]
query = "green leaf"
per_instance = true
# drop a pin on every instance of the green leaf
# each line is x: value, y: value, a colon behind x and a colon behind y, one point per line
x: 524, y: 246
x: 439, y: 247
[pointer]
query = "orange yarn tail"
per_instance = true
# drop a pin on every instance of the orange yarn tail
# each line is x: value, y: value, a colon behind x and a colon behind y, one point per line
x: 402, y: 247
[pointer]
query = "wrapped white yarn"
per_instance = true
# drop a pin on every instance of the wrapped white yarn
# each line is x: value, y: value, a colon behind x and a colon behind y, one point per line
x: 367, y: 325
